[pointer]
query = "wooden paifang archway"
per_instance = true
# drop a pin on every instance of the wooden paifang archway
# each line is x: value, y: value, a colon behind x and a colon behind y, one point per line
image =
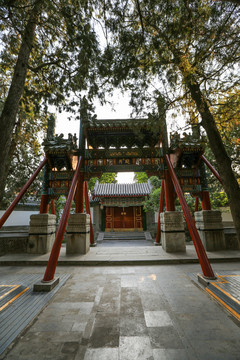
x: 120, y: 146
x: 116, y: 145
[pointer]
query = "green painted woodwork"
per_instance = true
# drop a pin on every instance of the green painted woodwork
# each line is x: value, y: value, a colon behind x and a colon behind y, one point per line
x: 131, y: 153
x: 45, y: 180
x: 119, y: 133
x: 122, y: 146
x: 124, y: 168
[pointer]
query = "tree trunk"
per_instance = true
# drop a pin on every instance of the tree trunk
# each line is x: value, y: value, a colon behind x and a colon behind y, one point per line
x: 10, y: 109
x: 230, y: 183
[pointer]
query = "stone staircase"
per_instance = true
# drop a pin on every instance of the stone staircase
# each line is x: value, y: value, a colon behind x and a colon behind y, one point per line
x: 124, y: 236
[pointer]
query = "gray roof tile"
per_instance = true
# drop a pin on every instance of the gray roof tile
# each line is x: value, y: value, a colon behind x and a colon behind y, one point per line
x: 112, y: 190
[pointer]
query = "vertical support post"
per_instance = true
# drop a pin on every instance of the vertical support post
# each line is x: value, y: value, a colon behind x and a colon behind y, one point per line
x: 206, y: 204
x: 44, y: 207
x: 79, y: 197
x: 53, y: 207
x: 169, y: 192
x: 88, y: 211
x: 22, y: 192
x: 53, y: 259
x: 161, y: 206
x: 196, y: 204
x: 201, y: 253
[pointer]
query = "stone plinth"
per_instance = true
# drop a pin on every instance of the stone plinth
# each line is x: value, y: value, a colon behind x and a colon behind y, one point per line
x: 78, y: 234
x: 210, y: 228
x: 42, y: 231
x: 172, y: 231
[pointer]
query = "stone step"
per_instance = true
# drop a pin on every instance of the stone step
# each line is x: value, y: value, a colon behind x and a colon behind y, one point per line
x: 124, y: 236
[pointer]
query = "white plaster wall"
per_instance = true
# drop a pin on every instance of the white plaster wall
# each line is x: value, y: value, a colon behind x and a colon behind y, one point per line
x: 91, y: 210
x: 18, y: 218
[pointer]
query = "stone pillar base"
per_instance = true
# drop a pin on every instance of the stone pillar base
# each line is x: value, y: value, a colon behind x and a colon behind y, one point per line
x: 210, y: 228
x: 172, y: 231
x: 78, y: 234
x: 42, y: 231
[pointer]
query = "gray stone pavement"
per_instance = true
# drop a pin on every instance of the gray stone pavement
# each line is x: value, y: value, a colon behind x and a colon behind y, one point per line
x: 127, y: 255
x: 126, y: 313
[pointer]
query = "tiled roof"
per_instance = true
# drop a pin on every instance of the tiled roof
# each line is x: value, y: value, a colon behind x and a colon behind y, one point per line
x: 112, y: 190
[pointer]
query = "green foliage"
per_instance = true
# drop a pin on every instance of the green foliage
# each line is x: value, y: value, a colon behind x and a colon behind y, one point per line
x: 59, y: 206
x: 190, y: 202
x: 25, y: 151
x: 152, y: 204
x: 140, y: 177
x: 65, y: 51
x: 106, y: 178
x: 156, y: 182
x: 219, y: 200
x: 64, y: 62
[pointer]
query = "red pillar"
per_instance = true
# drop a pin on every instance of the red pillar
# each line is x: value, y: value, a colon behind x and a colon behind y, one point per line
x: 79, y: 197
x: 88, y: 211
x: 196, y: 204
x: 201, y: 253
x: 169, y: 192
x: 161, y: 206
x: 44, y: 207
x: 206, y: 204
x: 53, y: 259
x: 53, y: 207
x: 22, y: 192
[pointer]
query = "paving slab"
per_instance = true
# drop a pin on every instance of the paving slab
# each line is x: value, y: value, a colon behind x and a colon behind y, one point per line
x: 19, y: 305
x: 119, y: 255
x: 164, y: 316
x: 225, y: 289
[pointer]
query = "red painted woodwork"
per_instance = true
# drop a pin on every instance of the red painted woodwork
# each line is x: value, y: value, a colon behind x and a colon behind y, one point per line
x: 53, y: 259
x: 123, y: 217
x: 206, y: 204
x: 201, y: 253
x: 79, y: 197
x: 109, y: 216
x: 196, y: 204
x: 22, y: 192
x: 169, y: 193
x: 138, y: 217
x: 44, y: 207
x: 53, y: 207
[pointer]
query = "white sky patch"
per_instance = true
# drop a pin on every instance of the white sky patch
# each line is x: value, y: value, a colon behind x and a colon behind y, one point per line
x: 125, y: 177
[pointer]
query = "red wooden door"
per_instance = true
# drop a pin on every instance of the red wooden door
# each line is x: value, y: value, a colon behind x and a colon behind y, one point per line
x: 109, y: 214
x: 123, y: 218
x: 128, y: 218
x: 138, y: 217
x: 118, y: 218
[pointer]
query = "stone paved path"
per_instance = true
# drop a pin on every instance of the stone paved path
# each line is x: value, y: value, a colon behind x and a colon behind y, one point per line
x: 124, y: 255
x: 128, y: 313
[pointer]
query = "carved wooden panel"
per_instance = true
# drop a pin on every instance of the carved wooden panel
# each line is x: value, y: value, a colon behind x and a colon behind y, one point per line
x: 109, y: 216
x: 138, y: 217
